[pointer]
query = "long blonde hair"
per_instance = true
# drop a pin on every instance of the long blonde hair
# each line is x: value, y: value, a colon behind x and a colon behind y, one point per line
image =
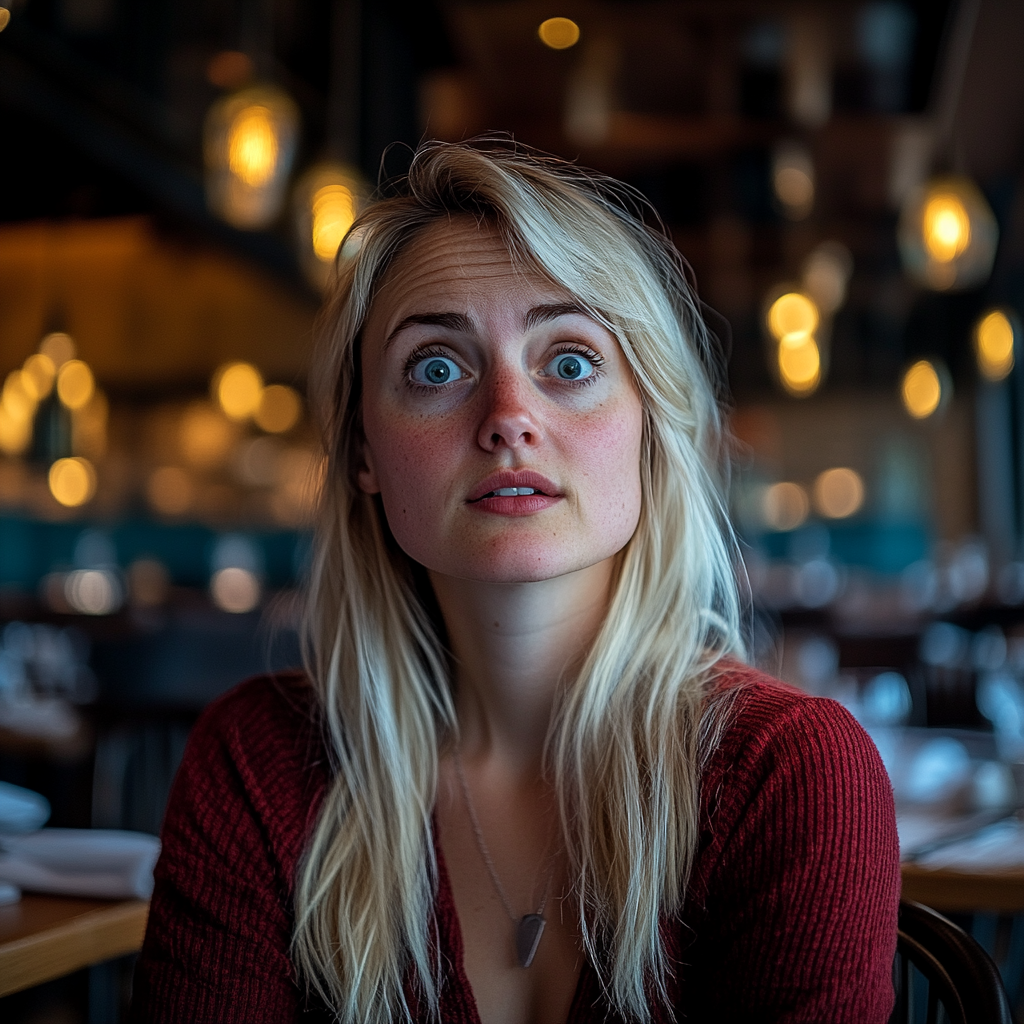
x: 631, y: 732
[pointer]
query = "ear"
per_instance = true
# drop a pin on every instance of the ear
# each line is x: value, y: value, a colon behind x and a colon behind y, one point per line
x: 366, y: 475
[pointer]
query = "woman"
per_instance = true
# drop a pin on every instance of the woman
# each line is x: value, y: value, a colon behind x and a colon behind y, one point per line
x: 529, y: 779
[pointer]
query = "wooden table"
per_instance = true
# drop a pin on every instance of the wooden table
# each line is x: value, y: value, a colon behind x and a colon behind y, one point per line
x: 998, y: 891
x: 46, y: 937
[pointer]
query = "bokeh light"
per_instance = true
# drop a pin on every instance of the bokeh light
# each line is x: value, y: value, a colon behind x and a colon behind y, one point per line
x: 238, y: 388
x: 784, y: 506
x: 334, y: 211
x: 72, y: 481
x: 559, y: 33
x: 793, y: 179
x: 838, y: 492
x: 39, y: 373
x: 800, y: 367
x: 18, y: 396
x: 947, y: 227
x: 235, y: 590
x: 15, y: 433
x: 792, y: 318
x: 249, y: 143
x: 921, y: 389
x: 5, y: 17
x: 993, y: 344
x: 205, y: 437
x: 826, y: 275
x: 75, y: 384
x: 93, y: 591
x: 59, y: 346
x: 279, y: 409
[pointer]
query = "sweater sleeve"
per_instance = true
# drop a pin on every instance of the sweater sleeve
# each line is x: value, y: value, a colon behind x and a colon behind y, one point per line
x: 800, y: 901
x: 216, y: 947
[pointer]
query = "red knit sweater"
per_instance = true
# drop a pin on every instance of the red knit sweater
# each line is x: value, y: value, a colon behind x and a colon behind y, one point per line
x: 790, y: 915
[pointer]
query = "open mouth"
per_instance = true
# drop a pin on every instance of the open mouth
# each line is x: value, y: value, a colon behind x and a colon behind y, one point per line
x: 508, y: 492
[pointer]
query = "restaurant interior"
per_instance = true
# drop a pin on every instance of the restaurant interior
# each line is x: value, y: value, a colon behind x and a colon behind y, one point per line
x: 844, y: 177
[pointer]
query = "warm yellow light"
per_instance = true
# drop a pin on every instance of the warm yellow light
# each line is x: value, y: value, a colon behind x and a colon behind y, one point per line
x: 38, y: 374
x: 279, y: 409
x: 5, y: 17
x: 18, y: 396
x: 75, y: 384
x: 60, y: 347
x: 800, y: 367
x: 238, y: 387
x: 170, y: 490
x: 205, y: 436
x: 921, y: 389
x: 559, y: 33
x: 15, y: 433
x: 334, y: 210
x: 792, y: 318
x: 72, y: 481
x: 946, y: 226
x: 838, y: 493
x: 993, y: 345
x: 252, y: 146
x: 785, y: 506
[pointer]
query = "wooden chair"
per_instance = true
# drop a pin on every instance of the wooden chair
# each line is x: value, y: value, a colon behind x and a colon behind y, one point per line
x: 962, y: 979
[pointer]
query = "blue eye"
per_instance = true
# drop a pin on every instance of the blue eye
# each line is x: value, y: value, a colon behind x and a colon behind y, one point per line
x: 436, y: 370
x: 570, y: 366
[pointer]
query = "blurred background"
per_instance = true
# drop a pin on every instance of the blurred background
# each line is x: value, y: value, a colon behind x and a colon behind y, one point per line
x: 846, y: 179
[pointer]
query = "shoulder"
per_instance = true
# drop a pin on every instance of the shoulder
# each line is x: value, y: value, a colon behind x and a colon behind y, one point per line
x: 257, y: 755
x: 777, y: 741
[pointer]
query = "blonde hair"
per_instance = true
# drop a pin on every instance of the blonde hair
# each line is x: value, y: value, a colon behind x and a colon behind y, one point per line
x: 628, y: 740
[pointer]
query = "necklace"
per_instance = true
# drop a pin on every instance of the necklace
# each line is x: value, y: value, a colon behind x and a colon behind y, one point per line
x: 530, y: 927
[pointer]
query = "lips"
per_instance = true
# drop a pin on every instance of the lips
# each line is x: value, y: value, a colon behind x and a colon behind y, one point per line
x: 513, y: 484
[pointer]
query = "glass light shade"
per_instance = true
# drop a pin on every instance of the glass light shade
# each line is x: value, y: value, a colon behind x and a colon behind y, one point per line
x: 249, y: 145
x: 328, y: 198
x: 948, y: 235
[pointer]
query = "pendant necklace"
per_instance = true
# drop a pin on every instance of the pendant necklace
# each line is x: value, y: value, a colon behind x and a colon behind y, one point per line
x: 530, y: 927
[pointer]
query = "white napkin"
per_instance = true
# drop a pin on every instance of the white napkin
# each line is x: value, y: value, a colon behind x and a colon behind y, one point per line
x: 21, y: 810
x: 81, y: 862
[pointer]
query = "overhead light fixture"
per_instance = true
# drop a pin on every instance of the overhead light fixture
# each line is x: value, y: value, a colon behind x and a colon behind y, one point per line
x: 948, y: 234
x: 328, y: 198
x: 249, y: 145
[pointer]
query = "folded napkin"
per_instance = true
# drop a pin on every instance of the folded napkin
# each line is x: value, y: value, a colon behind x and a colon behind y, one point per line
x: 81, y: 862
x: 21, y: 810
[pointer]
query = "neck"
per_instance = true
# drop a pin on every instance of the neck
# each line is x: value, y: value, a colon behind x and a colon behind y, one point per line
x: 513, y: 645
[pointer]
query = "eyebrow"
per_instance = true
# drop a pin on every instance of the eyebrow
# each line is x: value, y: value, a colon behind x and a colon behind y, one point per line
x: 552, y: 311
x: 541, y: 314
x: 452, y: 321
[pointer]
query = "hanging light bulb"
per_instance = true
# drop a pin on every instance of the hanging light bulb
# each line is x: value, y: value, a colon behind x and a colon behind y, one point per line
x: 248, y: 145
x: 328, y: 198
x: 948, y: 235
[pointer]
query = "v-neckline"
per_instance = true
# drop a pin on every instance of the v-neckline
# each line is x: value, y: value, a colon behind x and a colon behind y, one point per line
x: 450, y: 933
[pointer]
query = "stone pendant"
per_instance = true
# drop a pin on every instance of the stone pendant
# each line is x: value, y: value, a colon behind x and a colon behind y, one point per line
x: 528, y: 933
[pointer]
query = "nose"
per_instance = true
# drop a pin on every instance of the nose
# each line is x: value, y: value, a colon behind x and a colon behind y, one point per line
x: 509, y: 418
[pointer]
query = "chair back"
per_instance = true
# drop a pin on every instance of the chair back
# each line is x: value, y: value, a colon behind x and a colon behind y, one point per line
x: 962, y: 978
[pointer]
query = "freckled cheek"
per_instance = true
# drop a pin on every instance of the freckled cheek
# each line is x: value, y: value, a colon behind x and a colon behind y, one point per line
x: 606, y: 454
x: 412, y: 459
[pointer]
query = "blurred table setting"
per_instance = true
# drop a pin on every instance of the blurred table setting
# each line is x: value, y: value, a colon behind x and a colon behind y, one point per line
x: 69, y: 898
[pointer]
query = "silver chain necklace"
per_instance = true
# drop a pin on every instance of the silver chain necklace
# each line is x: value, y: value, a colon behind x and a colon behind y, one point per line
x: 530, y: 927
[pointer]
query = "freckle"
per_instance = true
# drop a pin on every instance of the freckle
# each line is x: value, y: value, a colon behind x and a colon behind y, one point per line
x: 495, y: 625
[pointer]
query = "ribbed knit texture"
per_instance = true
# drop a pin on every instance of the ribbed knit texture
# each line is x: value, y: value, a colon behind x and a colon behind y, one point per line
x: 790, y: 914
